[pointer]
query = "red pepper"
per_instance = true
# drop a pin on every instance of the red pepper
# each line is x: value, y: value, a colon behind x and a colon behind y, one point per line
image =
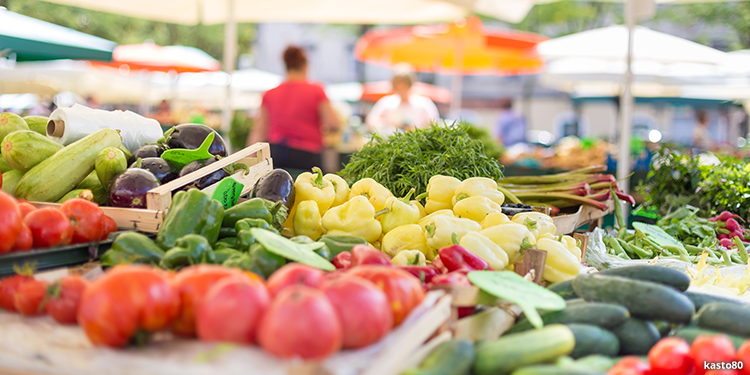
x: 458, y: 258
x: 363, y: 254
x: 343, y: 260
x: 451, y: 278
x: 425, y: 274
x: 439, y: 266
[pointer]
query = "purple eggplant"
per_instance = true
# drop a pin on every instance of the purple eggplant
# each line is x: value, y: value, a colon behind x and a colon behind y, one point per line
x: 159, y: 168
x: 129, y: 188
x: 276, y: 185
x: 204, y: 181
x: 148, y: 151
x: 191, y: 136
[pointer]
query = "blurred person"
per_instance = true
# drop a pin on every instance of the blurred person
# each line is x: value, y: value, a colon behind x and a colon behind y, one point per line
x: 163, y: 114
x: 403, y: 110
x: 511, y: 126
x: 91, y: 102
x: 702, y: 139
x: 294, y: 116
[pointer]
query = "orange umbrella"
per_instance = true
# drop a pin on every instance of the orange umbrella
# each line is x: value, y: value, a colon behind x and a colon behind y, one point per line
x: 153, y: 57
x: 373, y: 91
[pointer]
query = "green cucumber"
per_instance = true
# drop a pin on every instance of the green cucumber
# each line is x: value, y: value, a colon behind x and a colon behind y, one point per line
x: 77, y: 193
x: 37, y: 124
x: 109, y: 163
x: 691, y: 333
x: 636, y: 337
x: 605, y: 315
x: 700, y: 299
x: 60, y: 173
x: 10, y: 122
x: 661, y: 275
x: 10, y: 180
x: 564, y: 289
x: 4, y: 166
x: 593, y: 340
x: 643, y: 299
x: 725, y: 317
x: 555, y: 370
x: 23, y: 149
x: 453, y: 357
x: 511, y: 352
x: 663, y: 327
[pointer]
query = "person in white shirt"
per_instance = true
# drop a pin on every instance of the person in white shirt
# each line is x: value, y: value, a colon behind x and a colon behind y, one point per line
x: 702, y: 138
x: 403, y: 110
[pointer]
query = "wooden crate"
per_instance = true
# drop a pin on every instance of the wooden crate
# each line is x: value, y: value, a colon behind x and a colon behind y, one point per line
x: 592, y: 216
x: 257, y: 157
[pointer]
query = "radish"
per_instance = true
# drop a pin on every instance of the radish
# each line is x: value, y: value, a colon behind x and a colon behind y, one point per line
x: 733, y: 225
x: 724, y: 216
x: 723, y: 236
x: 726, y: 242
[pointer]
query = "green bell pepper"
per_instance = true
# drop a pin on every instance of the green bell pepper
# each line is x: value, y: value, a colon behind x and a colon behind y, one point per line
x: 229, y: 242
x: 338, y: 244
x: 190, y: 249
x: 132, y: 247
x: 257, y: 260
x: 191, y: 212
x: 227, y: 232
x: 244, y: 237
x: 250, y: 209
x: 225, y: 253
x: 304, y: 240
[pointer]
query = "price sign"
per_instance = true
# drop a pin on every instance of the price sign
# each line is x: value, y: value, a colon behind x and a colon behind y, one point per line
x: 181, y: 157
x: 227, y: 192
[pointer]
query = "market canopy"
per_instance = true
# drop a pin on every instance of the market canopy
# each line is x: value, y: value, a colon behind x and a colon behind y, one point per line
x: 373, y: 91
x: 149, y: 56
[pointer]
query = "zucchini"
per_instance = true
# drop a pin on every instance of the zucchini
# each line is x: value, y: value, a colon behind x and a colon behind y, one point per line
x: 700, y: 299
x: 4, y: 166
x: 37, y: 124
x: 593, y: 340
x: 656, y: 274
x: 128, y: 155
x: 60, y: 173
x: 643, y: 299
x: 725, y: 317
x: 564, y: 289
x: 452, y: 357
x: 517, y: 350
x: 91, y: 182
x: 10, y: 122
x: 555, y: 370
x: 636, y: 337
x: 109, y: 163
x: 605, y: 315
x: 77, y: 193
x: 10, y: 180
x: 691, y: 333
x: 23, y: 149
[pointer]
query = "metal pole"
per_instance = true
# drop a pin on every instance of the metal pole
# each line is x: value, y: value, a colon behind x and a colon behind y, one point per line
x: 230, y: 55
x: 626, y: 104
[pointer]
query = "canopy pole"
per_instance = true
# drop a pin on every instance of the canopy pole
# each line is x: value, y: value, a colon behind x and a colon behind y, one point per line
x: 626, y: 105
x: 457, y: 81
x: 230, y: 55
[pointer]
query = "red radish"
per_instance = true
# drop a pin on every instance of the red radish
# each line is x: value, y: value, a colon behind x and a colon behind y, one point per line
x: 726, y: 242
x: 733, y: 225
x: 722, y: 236
x: 724, y: 216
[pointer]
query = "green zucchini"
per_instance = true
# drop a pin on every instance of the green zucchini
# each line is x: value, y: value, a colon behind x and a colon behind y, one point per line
x: 109, y: 163
x: 77, y: 193
x: 23, y: 149
x: 128, y: 155
x: 605, y: 315
x: 555, y: 370
x: 60, y: 173
x: 643, y: 299
x: 91, y: 182
x: 37, y: 124
x: 661, y: 275
x: 10, y: 122
x: 700, y: 299
x: 691, y: 333
x: 564, y: 289
x: 4, y: 166
x: 725, y: 317
x: 517, y: 350
x: 636, y: 337
x: 10, y: 180
x: 593, y: 340
x: 453, y: 357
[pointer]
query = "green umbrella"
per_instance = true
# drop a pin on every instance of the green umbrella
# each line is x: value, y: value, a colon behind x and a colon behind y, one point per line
x: 33, y: 40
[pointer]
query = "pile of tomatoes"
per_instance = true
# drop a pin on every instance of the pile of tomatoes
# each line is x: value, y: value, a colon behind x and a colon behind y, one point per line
x: 708, y: 355
x: 23, y: 226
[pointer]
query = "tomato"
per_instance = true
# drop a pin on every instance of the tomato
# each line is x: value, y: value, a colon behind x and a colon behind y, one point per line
x: 49, y: 227
x: 63, y: 298
x: 294, y: 273
x: 670, y: 356
x: 630, y: 365
x: 8, y: 287
x: 127, y: 299
x: 85, y: 217
x: 29, y: 296
x: 301, y: 322
x: 404, y: 291
x: 743, y: 355
x: 24, y: 241
x: 362, y: 308
x: 723, y: 372
x: 192, y: 284
x: 711, y: 349
x: 110, y: 226
x: 26, y: 208
x: 10, y: 222
x: 232, y: 309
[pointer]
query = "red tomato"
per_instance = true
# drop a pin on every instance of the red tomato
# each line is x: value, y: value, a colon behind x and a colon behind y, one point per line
x: 127, y: 299
x: 711, y: 349
x: 29, y: 296
x: 670, y: 356
x: 301, y: 322
x: 64, y: 297
x: 292, y: 274
x: 86, y: 218
x: 8, y: 287
x: 723, y: 372
x: 362, y: 308
x: 26, y: 208
x: 630, y: 366
x: 403, y: 290
x: 192, y: 284
x: 24, y: 241
x: 232, y: 309
x: 10, y: 222
x: 110, y: 226
x: 49, y: 227
x: 743, y: 354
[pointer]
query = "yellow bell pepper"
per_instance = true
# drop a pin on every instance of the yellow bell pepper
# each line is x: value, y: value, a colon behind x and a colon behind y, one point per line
x: 560, y: 265
x: 405, y: 237
x: 483, y: 247
x: 409, y: 258
x: 440, y: 230
x: 572, y: 245
x: 494, y: 219
x: 314, y: 187
x: 537, y: 222
x: 422, y: 212
x: 398, y: 212
x: 376, y: 193
x: 307, y: 220
x: 476, y: 208
x: 426, y: 220
x: 353, y: 218
x: 440, y: 190
x: 474, y: 186
x: 340, y: 188
x: 512, y: 237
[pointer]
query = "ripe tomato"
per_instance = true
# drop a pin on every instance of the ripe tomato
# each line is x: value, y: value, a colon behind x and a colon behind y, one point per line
x: 301, y: 322
x: 49, y: 227
x: 10, y: 222
x: 124, y: 300
x: 63, y: 298
x: 294, y: 273
x: 29, y: 296
x: 362, y: 308
x: 110, y: 226
x: 630, y: 366
x: 404, y: 291
x: 711, y: 349
x: 670, y: 356
x: 743, y: 354
x: 192, y: 284
x: 26, y: 208
x: 85, y: 217
x: 232, y: 309
x: 24, y: 241
x: 8, y: 287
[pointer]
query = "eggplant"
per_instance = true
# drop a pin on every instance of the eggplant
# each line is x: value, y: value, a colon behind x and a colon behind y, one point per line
x: 204, y: 181
x: 129, y: 188
x: 148, y: 151
x: 159, y: 168
x: 191, y: 136
x: 276, y: 185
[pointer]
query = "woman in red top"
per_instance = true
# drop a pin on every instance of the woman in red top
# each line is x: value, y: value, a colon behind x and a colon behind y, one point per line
x: 293, y: 116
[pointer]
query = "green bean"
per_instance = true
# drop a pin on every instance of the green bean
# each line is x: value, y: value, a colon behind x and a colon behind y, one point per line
x: 616, y: 246
x: 630, y: 237
x: 727, y: 260
x: 741, y: 249
x: 626, y: 247
x: 680, y: 251
x: 642, y: 253
x: 624, y: 256
x: 693, y: 249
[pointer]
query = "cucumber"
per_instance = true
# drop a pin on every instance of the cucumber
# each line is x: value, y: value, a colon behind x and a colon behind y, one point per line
x: 10, y: 180
x: 4, y: 166
x: 77, y: 193
x: 60, y: 173
x: 596, y: 362
x: 109, y: 163
x: 605, y: 315
x: 643, y: 299
x: 691, y: 333
x: 725, y: 317
x: 636, y: 337
x: 663, y: 327
x: 555, y: 370
x: 37, y: 124
x: 23, y: 149
x: 700, y: 299
x: 661, y: 275
x: 564, y: 289
x: 10, y: 122
x: 517, y: 350
x: 452, y: 357
x: 593, y: 340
